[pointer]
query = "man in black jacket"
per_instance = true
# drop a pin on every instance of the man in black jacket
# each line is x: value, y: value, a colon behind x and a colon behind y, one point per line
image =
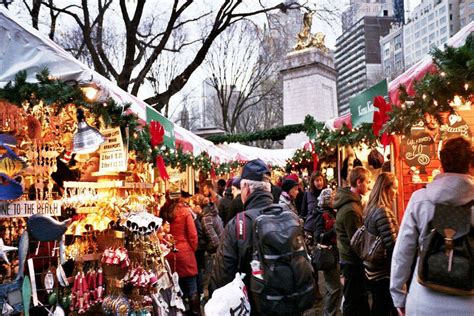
x: 234, y: 255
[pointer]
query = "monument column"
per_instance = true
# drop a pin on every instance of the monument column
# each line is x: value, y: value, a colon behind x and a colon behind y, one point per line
x: 309, y: 83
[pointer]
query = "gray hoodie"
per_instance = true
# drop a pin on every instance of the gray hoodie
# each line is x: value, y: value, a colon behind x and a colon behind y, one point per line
x: 447, y: 188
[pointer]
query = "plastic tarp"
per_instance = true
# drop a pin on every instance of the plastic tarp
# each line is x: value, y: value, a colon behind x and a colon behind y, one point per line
x: 274, y: 157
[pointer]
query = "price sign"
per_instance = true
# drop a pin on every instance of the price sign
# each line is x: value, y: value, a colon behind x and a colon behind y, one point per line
x: 113, y: 156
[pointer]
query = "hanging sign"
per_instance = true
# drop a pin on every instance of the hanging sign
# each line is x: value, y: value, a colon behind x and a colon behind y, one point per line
x: 28, y: 208
x: 454, y: 126
x: 418, y: 148
x: 169, y: 138
x: 362, y: 105
x: 113, y: 157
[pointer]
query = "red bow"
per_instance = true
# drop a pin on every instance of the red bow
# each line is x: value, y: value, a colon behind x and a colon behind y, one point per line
x: 160, y: 164
x: 380, y: 118
x: 157, y: 133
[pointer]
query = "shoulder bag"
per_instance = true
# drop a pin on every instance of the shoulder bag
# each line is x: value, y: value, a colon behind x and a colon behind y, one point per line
x: 369, y: 247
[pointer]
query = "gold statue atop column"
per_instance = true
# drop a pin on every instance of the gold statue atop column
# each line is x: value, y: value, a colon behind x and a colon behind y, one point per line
x: 306, y: 40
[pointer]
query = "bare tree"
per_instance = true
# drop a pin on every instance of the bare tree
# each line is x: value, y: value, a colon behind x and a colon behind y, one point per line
x: 240, y: 75
x: 144, y: 44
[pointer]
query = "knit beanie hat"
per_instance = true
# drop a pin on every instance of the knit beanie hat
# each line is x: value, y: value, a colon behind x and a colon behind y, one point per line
x: 288, y: 184
x: 325, y: 198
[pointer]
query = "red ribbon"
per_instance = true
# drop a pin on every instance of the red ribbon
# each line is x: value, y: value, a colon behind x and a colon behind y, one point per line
x: 380, y: 118
x: 213, y: 173
x: 315, y: 156
x: 160, y: 164
x: 157, y: 132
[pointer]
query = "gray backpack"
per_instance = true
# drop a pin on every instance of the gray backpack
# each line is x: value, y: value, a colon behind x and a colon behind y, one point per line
x: 447, y: 254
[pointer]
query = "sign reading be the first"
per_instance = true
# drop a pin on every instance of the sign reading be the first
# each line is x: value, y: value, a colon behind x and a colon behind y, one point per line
x: 28, y: 208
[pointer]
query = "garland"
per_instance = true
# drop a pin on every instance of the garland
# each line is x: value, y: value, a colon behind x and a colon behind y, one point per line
x: 436, y: 93
x: 179, y: 159
x: 277, y: 133
x: 58, y: 95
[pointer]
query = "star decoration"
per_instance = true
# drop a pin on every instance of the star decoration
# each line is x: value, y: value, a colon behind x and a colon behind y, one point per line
x: 4, y: 249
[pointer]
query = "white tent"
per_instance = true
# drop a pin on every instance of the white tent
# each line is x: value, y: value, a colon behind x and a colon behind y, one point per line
x: 24, y: 48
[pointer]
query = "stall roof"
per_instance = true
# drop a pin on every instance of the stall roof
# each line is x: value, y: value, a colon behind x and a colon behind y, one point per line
x: 419, y: 69
x: 24, y: 48
x: 408, y: 78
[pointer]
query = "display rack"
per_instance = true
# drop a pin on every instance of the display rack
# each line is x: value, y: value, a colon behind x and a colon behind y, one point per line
x: 113, y: 184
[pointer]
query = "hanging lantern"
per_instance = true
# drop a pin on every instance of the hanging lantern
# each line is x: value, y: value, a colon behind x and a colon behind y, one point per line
x: 87, y: 139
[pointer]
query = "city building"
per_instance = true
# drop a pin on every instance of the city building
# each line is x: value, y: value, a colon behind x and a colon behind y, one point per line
x: 431, y: 23
x: 361, y: 8
x: 466, y: 12
x: 391, y: 50
x: 358, y: 58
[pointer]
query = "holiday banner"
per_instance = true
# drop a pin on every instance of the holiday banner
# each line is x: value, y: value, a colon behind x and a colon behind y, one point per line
x: 362, y: 105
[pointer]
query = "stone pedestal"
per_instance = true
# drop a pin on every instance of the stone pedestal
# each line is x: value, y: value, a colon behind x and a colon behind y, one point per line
x: 309, y: 87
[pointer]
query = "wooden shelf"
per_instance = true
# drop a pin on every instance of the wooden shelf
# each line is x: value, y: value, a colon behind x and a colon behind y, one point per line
x: 109, y: 185
x: 89, y: 257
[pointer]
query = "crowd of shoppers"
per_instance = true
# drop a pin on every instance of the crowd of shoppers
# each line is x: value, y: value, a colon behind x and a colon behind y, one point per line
x: 208, y: 251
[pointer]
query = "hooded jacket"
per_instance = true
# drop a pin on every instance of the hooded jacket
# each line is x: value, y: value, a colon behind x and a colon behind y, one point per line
x: 447, y: 188
x: 348, y: 220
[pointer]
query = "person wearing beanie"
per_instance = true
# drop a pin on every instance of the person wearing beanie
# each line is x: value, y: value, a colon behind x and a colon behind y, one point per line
x: 289, y: 191
x: 325, y: 234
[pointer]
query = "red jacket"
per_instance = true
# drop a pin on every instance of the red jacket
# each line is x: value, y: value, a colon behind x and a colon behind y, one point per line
x: 184, y: 231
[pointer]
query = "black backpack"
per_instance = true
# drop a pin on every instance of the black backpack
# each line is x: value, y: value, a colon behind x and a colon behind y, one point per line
x: 285, y: 283
x: 446, y: 261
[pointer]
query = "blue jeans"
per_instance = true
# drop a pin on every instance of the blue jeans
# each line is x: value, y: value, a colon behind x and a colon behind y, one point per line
x: 188, y: 285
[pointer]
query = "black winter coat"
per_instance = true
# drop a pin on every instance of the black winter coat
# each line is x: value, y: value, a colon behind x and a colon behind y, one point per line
x: 382, y: 222
x: 236, y: 206
x: 309, y: 207
x: 231, y: 250
x: 325, y: 232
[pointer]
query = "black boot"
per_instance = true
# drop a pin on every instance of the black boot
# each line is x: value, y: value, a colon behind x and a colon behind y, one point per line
x: 194, y: 306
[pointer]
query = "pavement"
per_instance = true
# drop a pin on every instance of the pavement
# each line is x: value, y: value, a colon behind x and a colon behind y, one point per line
x: 317, y: 309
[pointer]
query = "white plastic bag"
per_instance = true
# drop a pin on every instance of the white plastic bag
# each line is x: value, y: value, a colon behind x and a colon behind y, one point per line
x: 231, y: 299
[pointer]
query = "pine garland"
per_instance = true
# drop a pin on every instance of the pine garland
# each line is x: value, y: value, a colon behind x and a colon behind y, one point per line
x: 58, y: 94
x: 436, y: 92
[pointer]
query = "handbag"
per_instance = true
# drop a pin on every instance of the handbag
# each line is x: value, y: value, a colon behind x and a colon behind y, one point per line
x: 324, y: 257
x: 369, y: 247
